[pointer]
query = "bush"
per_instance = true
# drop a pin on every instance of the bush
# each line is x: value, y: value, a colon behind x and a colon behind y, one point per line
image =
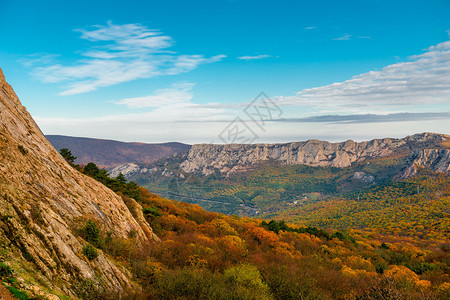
x: 89, y: 289
x: 380, y: 267
x: 246, y: 282
x: 239, y: 283
x: 91, y: 233
x: 5, y: 271
x: 90, y: 252
x: 420, y: 268
x: 184, y: 284
x: 152, y: 211
x: 91, y: 169
x: 67, y: 155
x: 18, y: 294
x: 290, y: 282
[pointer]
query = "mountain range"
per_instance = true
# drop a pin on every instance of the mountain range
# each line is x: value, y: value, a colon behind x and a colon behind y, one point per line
x: 429, y: 150
x: 109, y: 153
x: 233, y: 178
x: 71, y: 232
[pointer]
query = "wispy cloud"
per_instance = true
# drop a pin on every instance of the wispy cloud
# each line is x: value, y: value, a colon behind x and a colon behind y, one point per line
x: 121, y: 53
x: 310, y: 27
x: 345, y: 37
x: 175, y: 104
x: 255, y: 57
x: 402, y: 99
x: 178, y: 93
x: 422, y: 80
x: 370, y: 118
x: 41, y: 58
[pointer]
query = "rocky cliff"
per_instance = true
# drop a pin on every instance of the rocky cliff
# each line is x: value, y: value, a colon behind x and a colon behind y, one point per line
x: 437, y: 160
x: 206, y: 158
x: 42, y: 197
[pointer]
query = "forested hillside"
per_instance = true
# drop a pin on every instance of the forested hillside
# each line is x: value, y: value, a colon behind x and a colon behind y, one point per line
x: 267, y: 186
x: 207, y: 255
x: 417, y: 207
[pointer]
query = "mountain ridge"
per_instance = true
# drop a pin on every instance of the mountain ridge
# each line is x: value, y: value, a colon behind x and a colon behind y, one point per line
x: 207, y: 159
x: 204, y: 158
x: 111, y: 153
x: 234, y: 178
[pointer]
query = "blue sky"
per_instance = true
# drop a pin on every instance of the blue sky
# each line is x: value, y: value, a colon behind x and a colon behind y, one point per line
x: 156, y: 71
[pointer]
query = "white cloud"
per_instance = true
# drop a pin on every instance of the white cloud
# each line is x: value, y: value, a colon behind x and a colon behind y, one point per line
x: 185, y: 63
x: 122, y: 53
x: 422, y: 80
x: 174, y: 118
x: 171, y: 105
x: 249, y: 57
x: 345, y: 37
x: 310, y: 27
x: 402, y: 99
x: 179, y: 93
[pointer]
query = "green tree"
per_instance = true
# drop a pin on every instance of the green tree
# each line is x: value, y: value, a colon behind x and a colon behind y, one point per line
x: 121, y: 179
x: 91, y: 233
x: 90, y: 252
x: 67, y: 155
x: 91, y: 169
x: 246, y: 282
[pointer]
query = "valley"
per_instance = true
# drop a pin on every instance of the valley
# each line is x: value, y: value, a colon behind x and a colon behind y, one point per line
x: 268, y: 184
x: 225, y: 150
x: 74, y: 231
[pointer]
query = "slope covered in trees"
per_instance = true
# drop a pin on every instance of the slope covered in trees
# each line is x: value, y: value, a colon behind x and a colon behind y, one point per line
x: 207, y: 255
x: 416, y: 207
x: 267, y: 186
x: 213, y: 256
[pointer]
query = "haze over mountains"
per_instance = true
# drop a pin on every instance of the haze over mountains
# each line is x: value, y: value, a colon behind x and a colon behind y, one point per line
x: 109, y: 153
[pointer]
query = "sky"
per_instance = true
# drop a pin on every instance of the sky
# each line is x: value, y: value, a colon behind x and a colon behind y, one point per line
x: 230, y: 71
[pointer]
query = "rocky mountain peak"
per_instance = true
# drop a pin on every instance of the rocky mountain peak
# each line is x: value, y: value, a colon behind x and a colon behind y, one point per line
x: 42, y: 197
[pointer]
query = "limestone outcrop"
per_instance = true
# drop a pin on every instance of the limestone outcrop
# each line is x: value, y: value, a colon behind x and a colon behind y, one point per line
x: 437, y: 160
x: 206, y: 158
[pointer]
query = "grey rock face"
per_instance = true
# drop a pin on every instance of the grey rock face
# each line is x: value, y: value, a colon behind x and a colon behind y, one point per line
x: 367, y: 178
x: 126, y: 169
x: 206, y: 158
x: 437, y: 160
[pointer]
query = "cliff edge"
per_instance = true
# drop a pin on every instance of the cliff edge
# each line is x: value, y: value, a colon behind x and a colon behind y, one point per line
x: 206, y: 158
x: 42, y: 197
